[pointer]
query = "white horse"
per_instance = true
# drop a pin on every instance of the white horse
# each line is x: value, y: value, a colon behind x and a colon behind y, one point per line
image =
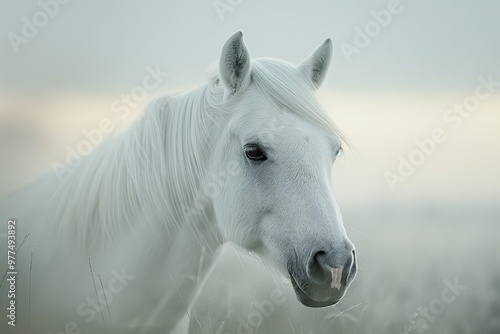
x: 122, y: 243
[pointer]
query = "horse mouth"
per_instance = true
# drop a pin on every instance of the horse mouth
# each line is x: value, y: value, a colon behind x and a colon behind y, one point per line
x: 305, y: 299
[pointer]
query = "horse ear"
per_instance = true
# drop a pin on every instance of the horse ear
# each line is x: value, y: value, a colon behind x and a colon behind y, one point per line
x: 234, y: 64
x: 316, y: 65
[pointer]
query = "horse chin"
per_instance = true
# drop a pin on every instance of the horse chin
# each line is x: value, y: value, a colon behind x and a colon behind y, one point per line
x: 308, y: 301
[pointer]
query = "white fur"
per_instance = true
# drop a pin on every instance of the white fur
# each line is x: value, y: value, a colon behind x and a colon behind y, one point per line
x: 160, y: 198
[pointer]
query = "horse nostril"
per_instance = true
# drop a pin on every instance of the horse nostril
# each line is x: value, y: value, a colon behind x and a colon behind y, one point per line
x: 314, y: 263
x: 350, y: 266
x: 354, y: 262
x: 315, y: 268
x: 321, y: 264
x: 319, y: 253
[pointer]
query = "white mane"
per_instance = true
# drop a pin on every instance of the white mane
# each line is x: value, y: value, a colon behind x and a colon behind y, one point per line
x: 243, y: 159
x: 152, y: 172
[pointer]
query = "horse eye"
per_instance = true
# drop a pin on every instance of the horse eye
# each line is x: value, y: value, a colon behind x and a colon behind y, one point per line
x: 253, y: 152
x: 339, y: 153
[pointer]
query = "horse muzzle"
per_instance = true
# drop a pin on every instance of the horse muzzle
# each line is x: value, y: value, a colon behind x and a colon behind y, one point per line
x: 324, y: 282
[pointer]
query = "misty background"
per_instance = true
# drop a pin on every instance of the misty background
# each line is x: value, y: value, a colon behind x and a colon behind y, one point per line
x: 439, y: 224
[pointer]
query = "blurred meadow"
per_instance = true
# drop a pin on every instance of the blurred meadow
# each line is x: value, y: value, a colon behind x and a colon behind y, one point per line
x: 427, y: 241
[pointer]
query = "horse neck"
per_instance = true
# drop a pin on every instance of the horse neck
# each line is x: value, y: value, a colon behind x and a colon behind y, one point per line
x: 149, y: 175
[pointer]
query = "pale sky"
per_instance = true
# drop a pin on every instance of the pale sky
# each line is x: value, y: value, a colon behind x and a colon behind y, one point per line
x: 420, y: 62
x: 97, y: 46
